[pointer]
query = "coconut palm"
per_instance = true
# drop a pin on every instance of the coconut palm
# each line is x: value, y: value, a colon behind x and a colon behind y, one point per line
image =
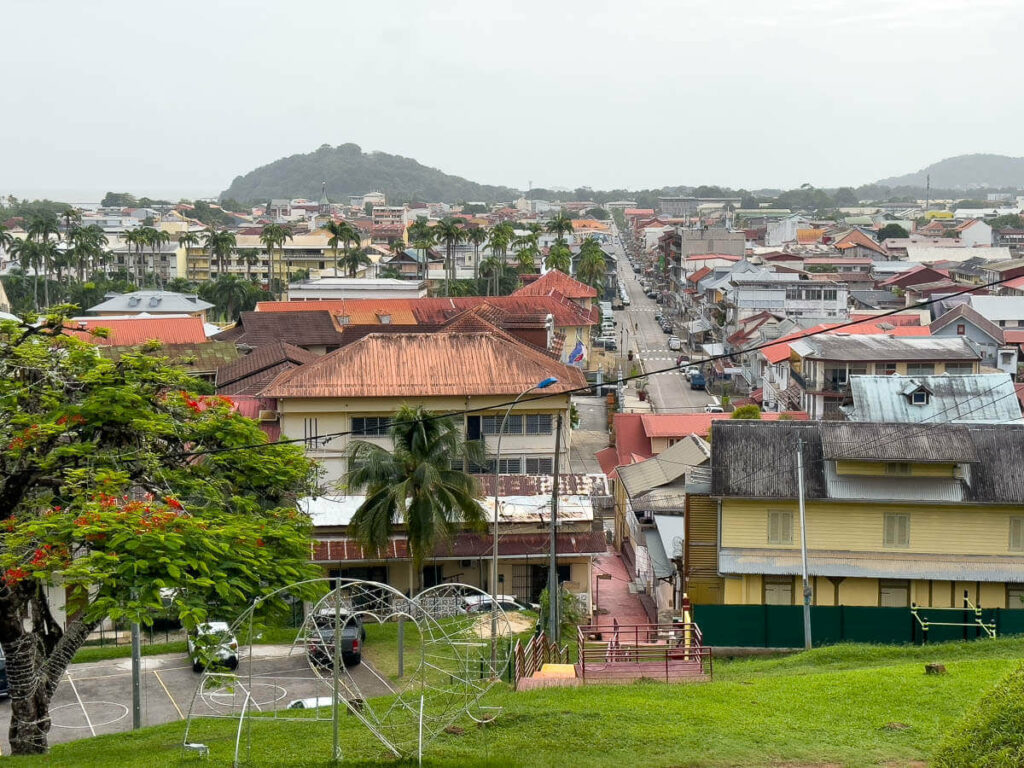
x: 220, y: 244
x: 85, y: 247
x: 450, y: 232
x: 559, y: 257
x: 232, y: 295
x: 188, y: 240
x: 560, y: 225
x: 342, y: 233
x: 476, y: 236
x: 39, y: 230
x: 592, y: 267
x: 414, y: 484
x: 274, y: 236
x: 27, y: 253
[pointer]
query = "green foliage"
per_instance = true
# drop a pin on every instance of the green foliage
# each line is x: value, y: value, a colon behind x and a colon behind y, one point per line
x: 598, y: 213
x: 891, y: 230
x: 1011, y: 220
x: 474, y: 208
x: 570, y: 613
x: 414, y: 484
x: 559, y: 257
x: 100, y: 486
x: 746, y: 412
x: 119, y: 200
x: 619, y: 217
x: 972, y: 203
x: 992, y: 735
x: 349, y: 171
x: 231, y: 295
x: 592, y: 268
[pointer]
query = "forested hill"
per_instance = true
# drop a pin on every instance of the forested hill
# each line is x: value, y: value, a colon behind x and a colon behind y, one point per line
x: 966, y: 172
x: 350, y: 171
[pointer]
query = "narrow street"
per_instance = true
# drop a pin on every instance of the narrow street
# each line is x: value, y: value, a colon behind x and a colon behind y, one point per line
x: 669, y: 392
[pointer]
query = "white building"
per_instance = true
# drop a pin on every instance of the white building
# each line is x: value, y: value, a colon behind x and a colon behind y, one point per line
x: 356, y: 288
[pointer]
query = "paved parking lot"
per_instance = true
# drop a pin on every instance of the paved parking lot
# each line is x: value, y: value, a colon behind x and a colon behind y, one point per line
x: 96, y: 698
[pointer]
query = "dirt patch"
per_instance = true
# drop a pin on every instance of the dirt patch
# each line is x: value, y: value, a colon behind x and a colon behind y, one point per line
x: 516, y: 621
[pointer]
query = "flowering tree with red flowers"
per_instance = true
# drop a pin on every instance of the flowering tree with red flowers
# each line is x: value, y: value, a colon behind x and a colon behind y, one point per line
x: 120, y: 485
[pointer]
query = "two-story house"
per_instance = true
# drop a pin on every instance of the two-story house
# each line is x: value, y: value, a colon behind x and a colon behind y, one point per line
x: 351, y: 393
x: 895, y: 513
x: 821, y: 366
x: 966, y: 322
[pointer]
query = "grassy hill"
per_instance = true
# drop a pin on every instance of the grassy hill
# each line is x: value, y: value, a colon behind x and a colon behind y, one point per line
x: 350, y: 171
x: 848, y: 705
x: 965, y: 172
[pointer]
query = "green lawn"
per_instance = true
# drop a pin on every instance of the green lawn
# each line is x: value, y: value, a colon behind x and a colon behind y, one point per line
x: 849, y: 705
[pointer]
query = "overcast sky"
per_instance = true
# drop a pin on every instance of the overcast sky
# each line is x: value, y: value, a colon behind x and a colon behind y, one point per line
x: 183, y: 96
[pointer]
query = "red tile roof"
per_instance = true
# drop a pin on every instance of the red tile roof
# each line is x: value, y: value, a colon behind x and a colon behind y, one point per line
x: 855, y: 238
x: 128, y: 332
x: 682, y: 424
x: 699, y: 275
x: 556, y: 280
x: 424, y: 365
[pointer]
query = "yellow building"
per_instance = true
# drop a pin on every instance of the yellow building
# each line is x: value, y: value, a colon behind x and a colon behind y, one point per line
x: 895, y: 513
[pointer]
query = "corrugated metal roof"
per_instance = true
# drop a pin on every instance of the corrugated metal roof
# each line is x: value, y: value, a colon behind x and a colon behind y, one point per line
x: 877, y: 488
x: 894, y: 442
x: 203, y: 358
x: 996, y: 308
x: 667, y: 466
x: 902, y: 565
x: 152, y: 302
x: 424, y: 365
x: 978, y: 398
x: 839, y: 346
x: 659, y: 557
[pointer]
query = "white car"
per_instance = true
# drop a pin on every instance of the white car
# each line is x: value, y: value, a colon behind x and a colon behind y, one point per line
x: 689, y: 372
x: 714, y: 409
x: 482, y: 603
x: 674, y: 343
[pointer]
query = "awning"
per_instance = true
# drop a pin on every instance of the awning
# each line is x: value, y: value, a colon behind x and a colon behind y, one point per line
x: 872, y: 565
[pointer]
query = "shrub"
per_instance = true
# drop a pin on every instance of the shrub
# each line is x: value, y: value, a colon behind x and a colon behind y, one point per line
x: 992, y: 736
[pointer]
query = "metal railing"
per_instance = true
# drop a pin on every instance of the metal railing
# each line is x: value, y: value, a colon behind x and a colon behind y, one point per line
x: 973, y: 618
x: 668, y: 652
x: 534, y: 654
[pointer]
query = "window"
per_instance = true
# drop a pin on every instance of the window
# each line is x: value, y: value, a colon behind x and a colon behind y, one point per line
x: 894, y: 593
x: 1015, y: 596
x: 513, y: 425
x: 920, y: 369
x: 309, y: 431
x: 778, y: 590
x: 1017, y: 534
x: 1005, y: 358
x: 780, y: 526
x: 885, y: 369
x: 508, y: 467
x: 897, y: 531
x: 829, y: 294
x: 343, y: 319
x: 538, y: 424
x: 370, y: 426
x: 539, y: 466
x: 898, y: 468
x: 960, y: 368
x: 961, y: 329
x: 920, y: 397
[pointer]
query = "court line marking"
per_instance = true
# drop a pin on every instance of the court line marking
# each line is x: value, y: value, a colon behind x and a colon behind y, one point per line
x: 181, y: 715
x: 88, y: 721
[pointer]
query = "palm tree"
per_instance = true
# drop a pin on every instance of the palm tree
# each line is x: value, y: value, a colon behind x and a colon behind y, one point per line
x: 390, y: 272
x: 421, y: 235
x: 274, y: 236
x: 527, y: 250
x: 40, y: 229
x: 560, y: 225
x: 414, y: 484
x: 220, y: 244
x: 450, y: 232
x: 250, y: 257
x: 188, y: 240
x: 232, y: 295
x: 498, y: 241
x: 85, y: 246
x: 559, y: 257
x: 27, y: 253
x: 6, y: 238
x: 592, y: 267
x: 477, y: 236
x: 342, y: 233
x: 158, y: 238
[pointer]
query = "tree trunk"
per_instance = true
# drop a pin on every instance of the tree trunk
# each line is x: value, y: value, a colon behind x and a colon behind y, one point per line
x: 38, y: 652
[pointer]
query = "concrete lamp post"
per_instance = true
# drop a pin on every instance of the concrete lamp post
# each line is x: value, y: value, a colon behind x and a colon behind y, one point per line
x: 497, y: 493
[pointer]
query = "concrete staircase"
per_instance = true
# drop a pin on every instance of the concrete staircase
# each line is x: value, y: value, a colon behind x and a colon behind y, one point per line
x: 551, y: 676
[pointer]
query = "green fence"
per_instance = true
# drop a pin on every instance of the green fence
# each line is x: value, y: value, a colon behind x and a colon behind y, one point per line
x: 782, y: 626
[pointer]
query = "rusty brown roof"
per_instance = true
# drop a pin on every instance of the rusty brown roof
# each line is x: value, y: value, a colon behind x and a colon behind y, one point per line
x: 303, y: 329
x: 556, y: 280
x: 423, y: 365
x: 253, y: 372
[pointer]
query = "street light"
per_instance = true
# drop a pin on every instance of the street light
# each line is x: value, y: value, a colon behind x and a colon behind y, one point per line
x: 497, y: 492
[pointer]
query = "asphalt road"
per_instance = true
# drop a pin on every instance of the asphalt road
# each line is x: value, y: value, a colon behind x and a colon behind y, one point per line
x: 96, y: 698
x: 668, y: 392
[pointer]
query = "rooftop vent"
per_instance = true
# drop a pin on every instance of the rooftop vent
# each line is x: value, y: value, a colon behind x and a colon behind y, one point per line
x: 155, y: 301
x: 133, y: 301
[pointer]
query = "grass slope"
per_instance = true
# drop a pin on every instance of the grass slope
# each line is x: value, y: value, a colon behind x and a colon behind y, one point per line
x: 848, y: 705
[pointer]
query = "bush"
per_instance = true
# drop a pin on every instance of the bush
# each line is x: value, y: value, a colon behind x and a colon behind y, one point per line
x: 992, y: 736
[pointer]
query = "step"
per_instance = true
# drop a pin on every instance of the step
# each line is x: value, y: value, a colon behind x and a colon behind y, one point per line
x: 556, y: 671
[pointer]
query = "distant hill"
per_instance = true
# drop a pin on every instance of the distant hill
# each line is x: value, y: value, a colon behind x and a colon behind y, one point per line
x: 966, y: 172
x: 350, y: 171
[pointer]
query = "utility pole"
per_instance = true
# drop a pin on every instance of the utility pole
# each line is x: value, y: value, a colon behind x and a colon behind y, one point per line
x: 927, y: 194
x: 553, y: 565
x: 803, y: 543
x: 136, y: 676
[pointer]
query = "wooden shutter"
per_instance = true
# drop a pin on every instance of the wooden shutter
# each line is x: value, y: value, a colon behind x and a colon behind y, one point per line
x: 1016, y: 534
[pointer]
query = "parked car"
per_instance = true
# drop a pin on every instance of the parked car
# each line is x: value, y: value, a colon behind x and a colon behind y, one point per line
x: 675, y: 343
x: 212, y: 641
x: 697, y: 381
x: 690, y: 372
x: 320, y: 645
x: 667, y: 328
x: 482, y: 604
x: 714, y: 409
x: 683, y: 362
x: 606, y: 342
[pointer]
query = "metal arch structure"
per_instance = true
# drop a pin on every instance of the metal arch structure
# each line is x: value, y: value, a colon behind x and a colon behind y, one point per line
x: 446, y: 677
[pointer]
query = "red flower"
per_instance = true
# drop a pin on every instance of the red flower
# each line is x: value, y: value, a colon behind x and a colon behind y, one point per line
x: 259, y: 542
x: 173, y: 503
x: 13, y: 576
